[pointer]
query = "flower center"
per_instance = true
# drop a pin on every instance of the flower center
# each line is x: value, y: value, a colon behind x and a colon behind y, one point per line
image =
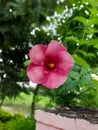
x: 51, y: 65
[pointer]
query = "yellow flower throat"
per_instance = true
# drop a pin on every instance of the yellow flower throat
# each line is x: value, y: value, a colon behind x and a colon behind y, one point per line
x: 51, y: 65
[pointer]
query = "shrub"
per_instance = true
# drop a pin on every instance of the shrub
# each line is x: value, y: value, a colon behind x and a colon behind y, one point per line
x: 9, y: 121
x: 19, y: 116
x: 1, y: 125
x: 5, y: 116
x: 25, y: 124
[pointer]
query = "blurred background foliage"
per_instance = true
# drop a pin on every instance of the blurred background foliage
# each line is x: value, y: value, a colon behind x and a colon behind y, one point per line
x: 28, y: 22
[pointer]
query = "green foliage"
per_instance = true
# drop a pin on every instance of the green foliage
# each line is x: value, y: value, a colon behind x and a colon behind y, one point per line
x: 26, y: 63
x: 96, y: 85
x: 26, y: 124
x: 77, y: 90
x: 80, y: 61
x: 5, y: 116
x: 77, y: 30
x: 76, y: 26
x: 15, y: 121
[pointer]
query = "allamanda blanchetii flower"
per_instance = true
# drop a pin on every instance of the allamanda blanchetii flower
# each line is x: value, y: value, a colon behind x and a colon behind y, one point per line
x: 50, y: 65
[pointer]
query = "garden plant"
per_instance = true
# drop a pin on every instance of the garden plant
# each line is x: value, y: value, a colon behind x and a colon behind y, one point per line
x: 38, y: 25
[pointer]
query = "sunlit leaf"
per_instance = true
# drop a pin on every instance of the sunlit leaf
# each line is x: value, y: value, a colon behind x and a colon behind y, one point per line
x: 89, y: 42
x: 82, y: 20
x: 91, y: 30
x: 93, y: 21
x: 93, y: 11
x: 26, y: 63
x: 75, y: 39
x: 93, y: 3
x: 80, y: 61
x: 96, y: 46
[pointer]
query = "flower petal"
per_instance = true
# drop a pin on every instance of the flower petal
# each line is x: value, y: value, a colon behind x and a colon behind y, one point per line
x: 64, y: 61
x: 54, y: 47
x: 37, y: 53
x: 55, y: 79
x: 36, y: 73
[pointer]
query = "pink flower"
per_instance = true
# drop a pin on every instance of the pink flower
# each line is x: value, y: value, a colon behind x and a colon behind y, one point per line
x: 50, y: 65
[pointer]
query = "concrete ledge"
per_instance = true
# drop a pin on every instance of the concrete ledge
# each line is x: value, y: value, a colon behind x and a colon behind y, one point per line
x: 51, y: 121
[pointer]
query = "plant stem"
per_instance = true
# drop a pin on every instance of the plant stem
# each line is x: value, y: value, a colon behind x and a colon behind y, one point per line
x: 33, y: 105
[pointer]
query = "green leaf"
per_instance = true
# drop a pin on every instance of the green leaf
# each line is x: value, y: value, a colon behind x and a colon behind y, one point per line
x: 93, y: 3
x: 82, y: 20
x: 38, y: 99
x: 93, y: 21
x: 96, y: 84
x: 87, y: 54
x: 91, y: 30
x: 80, y: 61
x: 96, y: 46
x: 93, y: 11
x: 95, y: 71
x: 75, y: 39
x: 89, y: 42
x: 87, y: 22
x: 26, y: 63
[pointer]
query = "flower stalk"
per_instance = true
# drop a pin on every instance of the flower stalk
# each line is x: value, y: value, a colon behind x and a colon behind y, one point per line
x: 33, y: 104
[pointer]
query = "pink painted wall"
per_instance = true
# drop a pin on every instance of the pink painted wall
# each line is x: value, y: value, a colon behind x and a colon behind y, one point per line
x: 41, y: 126
x: 50, y: 121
